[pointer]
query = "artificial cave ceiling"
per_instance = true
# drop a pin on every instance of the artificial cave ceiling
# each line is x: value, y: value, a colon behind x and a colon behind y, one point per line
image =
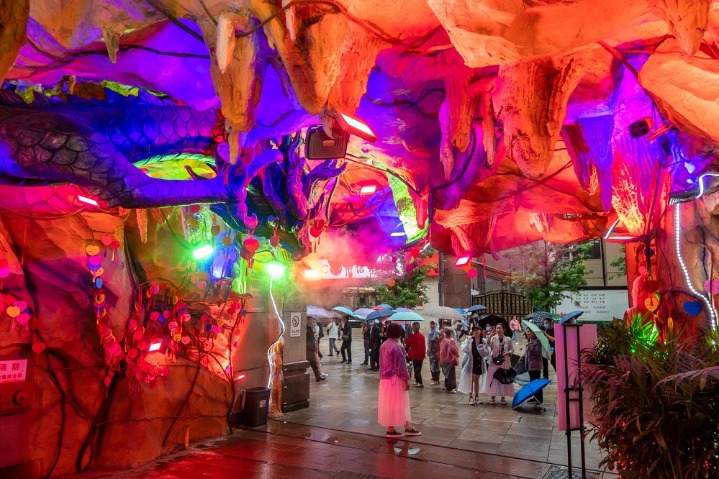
x: 498, y: 122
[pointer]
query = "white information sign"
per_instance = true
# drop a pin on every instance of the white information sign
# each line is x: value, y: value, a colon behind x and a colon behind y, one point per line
x: 296, y: 320
x: 597, y: 304
x: 13, y: 370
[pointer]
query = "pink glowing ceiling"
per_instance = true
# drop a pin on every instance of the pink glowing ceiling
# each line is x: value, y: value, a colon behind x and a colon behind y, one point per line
x: 506, y: 122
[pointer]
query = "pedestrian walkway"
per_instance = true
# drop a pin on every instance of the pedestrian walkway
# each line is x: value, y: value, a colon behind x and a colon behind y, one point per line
x: 347, y: 401
x: 338, y: 437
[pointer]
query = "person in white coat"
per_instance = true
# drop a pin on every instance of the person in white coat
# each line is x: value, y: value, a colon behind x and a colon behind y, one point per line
x: 333, y: 334
x: 474, y: 367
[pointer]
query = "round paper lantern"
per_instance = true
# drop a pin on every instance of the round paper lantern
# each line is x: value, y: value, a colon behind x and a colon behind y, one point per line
x: 651, y: 303
x: 251, y: 244
x: 391, y: 283
x: 472, y: 273
x: 215, y: 230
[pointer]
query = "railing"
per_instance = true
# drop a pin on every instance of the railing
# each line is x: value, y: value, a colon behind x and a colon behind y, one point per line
x: 504, y: 303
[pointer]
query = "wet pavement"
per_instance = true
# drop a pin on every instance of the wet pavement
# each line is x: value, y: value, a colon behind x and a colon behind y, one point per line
x: 338, y: 437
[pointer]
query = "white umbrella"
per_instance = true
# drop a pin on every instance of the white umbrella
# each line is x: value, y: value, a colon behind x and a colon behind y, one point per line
x: 318, y: 312
x: 442, y: 312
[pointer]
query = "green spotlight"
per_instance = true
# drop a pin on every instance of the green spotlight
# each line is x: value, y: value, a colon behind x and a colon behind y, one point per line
x: 276, y: 270
x: 203, y: 251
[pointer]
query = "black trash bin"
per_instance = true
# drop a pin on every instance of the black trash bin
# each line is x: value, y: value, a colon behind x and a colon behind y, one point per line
x: 255, y: 402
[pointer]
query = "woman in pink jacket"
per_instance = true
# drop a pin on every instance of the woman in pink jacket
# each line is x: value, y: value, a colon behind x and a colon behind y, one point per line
x: 449, y: 358
x: 393, y: 399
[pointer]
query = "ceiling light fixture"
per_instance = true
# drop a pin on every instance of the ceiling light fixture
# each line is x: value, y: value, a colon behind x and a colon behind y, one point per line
x: 368, y: 189
x: 463, y: 260
x: 87, y: 200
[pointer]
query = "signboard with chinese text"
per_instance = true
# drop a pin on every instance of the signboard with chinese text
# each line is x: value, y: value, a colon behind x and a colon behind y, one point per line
x: 13, y: 370
x: 597, y: 304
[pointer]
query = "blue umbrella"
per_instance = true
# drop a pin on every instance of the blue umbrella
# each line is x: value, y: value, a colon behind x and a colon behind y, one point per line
x: 382, y: 306
x: 461, y: 311
x: 528, y: 390
x: 406, y: 316
x: 363, y: 312
x: 343, y: 310
x: 570, y: 316
x: 404, y: 310
x: 381, y: 313
x: 476, y: 307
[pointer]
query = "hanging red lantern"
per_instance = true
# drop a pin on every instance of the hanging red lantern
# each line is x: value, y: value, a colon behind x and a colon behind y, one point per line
x: 251, y: 244
x: 315, y: 232
x: 472, y: 273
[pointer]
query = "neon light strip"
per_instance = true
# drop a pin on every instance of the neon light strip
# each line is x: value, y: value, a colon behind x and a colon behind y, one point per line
x: 279, y: 338
x: 677, y: 244
x: 611, y: 228
x: 701, y: 183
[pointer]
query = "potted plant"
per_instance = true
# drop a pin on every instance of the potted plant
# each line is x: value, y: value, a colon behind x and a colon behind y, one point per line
x: 655, y: 400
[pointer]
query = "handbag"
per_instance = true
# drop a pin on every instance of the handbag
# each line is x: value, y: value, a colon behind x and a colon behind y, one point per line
x: 498, y: 360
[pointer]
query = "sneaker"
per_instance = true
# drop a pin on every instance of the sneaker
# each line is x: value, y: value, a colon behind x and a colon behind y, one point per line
x: 343, y: 361
x: 419, y: 385
x: 322, y: 378
x: 393, y: 434
x: 477, y: 400
x: 453, y: 391
x: 433, y: 383
x: 503, y: 401
x: 412, y: 432
x: 471, y: 401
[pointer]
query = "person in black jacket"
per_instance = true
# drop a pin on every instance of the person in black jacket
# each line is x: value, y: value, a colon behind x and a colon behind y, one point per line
x: 366, y: 330
x: 346, y: 348
x: 374, y: 344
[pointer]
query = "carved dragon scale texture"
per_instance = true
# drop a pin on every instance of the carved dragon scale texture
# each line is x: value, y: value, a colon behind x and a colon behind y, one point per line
x: 95, y: 144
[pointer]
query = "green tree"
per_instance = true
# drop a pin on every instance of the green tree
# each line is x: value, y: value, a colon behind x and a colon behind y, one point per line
x: 545, y: 272
x: 620, y: 264
x: 409, y: 287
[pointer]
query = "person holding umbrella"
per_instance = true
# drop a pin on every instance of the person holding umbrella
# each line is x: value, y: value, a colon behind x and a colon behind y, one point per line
x: 533, y: 362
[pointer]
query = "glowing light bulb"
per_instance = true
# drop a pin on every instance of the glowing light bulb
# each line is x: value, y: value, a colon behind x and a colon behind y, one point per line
x: 356, y: 124
x: 203, y: 251
x: 368, y: 189
x: 276, y: 270
x: 155, y: 346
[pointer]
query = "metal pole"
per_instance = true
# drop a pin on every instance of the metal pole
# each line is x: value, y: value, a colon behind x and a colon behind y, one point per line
x: 566, y: 401
x: 602, y: 253
x: 580, y: 395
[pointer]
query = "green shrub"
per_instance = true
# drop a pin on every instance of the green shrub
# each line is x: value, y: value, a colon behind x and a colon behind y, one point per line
x: 655, y: 401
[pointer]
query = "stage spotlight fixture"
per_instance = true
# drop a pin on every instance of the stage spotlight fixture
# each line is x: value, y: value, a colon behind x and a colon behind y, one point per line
x: 320, y: 146
x: 368, y: 189
x: 87, y: 200
x: 639, y: 128
x: 356, y: 127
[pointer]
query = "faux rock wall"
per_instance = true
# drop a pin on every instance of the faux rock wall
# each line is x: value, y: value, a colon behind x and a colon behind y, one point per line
x: 75, y: 421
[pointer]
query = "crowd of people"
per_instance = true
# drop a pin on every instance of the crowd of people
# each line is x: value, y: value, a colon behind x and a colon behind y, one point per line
x: 398, y: 353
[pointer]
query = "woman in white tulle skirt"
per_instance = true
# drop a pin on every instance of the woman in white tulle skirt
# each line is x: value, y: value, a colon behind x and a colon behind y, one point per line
x: 393, y: 399
x: 501, y: 347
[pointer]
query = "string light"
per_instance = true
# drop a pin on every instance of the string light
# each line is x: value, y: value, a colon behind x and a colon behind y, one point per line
x: 677, y: 244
